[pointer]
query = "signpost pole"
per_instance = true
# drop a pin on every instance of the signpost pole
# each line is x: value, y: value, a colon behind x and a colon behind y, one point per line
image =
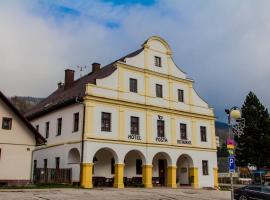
x: 232, y: 195
x: 236, y: 128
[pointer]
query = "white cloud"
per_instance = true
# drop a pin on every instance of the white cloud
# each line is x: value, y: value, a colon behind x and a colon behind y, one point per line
x: 222, y: 45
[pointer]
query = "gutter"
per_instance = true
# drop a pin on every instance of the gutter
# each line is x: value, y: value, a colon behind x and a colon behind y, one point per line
x: 82, y: 140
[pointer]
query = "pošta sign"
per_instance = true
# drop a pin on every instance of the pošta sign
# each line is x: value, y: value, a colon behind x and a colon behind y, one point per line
x: 161, y: 139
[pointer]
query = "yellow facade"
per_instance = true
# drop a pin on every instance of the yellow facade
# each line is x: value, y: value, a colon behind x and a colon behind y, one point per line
x: 119, y: 176
x: 171, y: 180
x: 86, y: 175
x: 147, y: 176
x: 108, y: 96
x: 215, y: 177
x: 194, y: 175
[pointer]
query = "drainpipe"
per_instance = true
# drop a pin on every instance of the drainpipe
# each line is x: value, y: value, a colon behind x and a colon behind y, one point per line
x: 82, y: 140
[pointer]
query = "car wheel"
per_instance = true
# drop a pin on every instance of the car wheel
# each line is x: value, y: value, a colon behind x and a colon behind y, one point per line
x: 243, y: 197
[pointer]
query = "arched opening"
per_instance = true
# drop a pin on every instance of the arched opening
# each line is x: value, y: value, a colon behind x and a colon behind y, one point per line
x: 134, y: 161
x: 183, y: 175
x: 103, y: 168
x: 160, y: 163
x: 74, y: 156
x: 73, y: 161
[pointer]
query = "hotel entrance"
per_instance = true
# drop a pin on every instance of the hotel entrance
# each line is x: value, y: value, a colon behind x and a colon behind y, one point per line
x: 160, y: 166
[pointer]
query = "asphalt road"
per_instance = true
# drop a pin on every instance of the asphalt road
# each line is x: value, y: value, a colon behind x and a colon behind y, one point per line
x: 114, y: 194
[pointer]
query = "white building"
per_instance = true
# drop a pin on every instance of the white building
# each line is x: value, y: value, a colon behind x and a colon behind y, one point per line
x: 137, y: 119
x: 18, y: 139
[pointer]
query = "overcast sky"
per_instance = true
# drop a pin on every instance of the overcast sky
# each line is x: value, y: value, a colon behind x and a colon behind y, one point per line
x: 223, y: 45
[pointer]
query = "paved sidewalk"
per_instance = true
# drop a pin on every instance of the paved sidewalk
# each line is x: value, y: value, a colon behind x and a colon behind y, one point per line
x: 114, y: 194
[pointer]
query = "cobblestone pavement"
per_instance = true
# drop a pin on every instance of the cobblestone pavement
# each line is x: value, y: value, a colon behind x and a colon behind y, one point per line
x: 114, y: 194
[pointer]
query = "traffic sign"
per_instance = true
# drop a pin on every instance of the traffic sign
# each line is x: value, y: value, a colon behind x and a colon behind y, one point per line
x: 231, y: 164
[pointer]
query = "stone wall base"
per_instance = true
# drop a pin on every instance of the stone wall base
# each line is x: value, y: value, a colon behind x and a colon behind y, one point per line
x: 14, y: 182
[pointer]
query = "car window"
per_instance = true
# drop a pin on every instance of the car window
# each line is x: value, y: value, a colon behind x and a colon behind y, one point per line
x: 266, y: 189
x: 254, y: 188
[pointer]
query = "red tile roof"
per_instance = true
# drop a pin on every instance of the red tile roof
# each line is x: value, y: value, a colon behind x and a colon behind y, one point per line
x: 63, y: 97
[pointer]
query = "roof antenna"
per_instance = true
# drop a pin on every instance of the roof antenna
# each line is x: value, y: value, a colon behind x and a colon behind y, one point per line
x: 81, y: 69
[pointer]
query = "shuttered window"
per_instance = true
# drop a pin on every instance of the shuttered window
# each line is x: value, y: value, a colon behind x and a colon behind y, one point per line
x: 160, y: 128
x: 203, y: 134
x: 134, y: 125
x: 159, y: 90
x: 180, y: 95
x: 133, y: 85
x: 183, y: 131
x: 106, y: 121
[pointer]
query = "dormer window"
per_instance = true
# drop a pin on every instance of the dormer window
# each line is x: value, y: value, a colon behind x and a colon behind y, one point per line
x: 157, y: 61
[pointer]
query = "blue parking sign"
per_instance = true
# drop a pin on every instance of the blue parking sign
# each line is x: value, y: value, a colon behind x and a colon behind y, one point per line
x: 231, y: 164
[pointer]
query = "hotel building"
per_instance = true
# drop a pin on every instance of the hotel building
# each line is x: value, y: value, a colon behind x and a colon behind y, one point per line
x: 137, y: 119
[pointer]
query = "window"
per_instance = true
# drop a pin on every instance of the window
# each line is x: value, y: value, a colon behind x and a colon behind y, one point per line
x: 57, y: 162
x: 203, y: 133
x: 180, y: 95
x: 35, y: 164
x: 105, y: 121
x: 205, y: 167
x: 59, y: 126
x: 183, y: 131
x: 134, y: 125
x: 254, y: 188
x: 6, y: 123
x: 47, y: 131
x: 138, y: 166
x: 160, y: 128
x: 112, y: 165
x: 159, y: 90
x: 157, y: 61
x: 37, y: 128
x: 133, y: 85
x: 45, y: 163
x: 76, y: 122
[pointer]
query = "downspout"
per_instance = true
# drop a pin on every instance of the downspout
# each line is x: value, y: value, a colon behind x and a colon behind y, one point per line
x: 82, y: 139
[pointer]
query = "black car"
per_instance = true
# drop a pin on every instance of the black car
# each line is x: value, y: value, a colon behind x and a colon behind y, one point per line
x: 258, y: 192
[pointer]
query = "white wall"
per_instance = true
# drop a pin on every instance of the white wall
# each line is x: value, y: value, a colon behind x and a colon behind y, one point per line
x: 16, y: 147
x: 119, y: 151
x: 61, y: 151
x: 67, y: 124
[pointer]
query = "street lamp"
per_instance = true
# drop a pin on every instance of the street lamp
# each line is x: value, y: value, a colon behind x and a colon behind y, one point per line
x: 234, y: 122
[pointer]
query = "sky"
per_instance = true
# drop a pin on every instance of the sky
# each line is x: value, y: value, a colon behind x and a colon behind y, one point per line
x: 224, y: 46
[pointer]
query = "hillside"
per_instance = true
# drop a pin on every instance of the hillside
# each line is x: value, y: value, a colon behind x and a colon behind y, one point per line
x: 24, y: 104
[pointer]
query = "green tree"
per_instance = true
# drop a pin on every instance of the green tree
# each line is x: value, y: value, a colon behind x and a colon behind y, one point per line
x: 222, y: 151
x: 253, y: 147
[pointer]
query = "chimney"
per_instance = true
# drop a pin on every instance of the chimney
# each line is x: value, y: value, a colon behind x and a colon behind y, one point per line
x: 69, y: 78
x: 95, y: 67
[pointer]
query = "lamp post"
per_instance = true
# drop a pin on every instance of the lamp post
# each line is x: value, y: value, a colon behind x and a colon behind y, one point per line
x: 234, y: 118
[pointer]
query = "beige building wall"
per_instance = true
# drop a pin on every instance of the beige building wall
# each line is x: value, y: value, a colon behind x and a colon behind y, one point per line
x: 16, y: 149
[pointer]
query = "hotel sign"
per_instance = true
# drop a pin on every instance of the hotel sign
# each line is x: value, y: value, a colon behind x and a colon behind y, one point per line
x: 134, y: 137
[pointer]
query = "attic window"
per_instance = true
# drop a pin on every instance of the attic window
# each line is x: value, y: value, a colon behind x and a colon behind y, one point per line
x: 6, y: 123
x: 157, y: 61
